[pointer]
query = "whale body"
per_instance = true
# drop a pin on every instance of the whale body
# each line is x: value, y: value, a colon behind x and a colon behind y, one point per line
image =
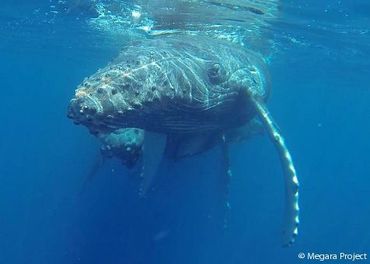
x: 189, y: 89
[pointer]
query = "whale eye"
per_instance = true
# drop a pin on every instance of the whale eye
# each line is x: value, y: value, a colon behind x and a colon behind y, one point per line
x: 216, y: 73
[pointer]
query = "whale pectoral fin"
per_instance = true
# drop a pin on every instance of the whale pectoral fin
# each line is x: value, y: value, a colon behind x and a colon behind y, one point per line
x: 153, y: 150
x: 291, y: 221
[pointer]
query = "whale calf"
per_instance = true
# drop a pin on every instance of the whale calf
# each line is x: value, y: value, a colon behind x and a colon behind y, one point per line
x: 126, y: 144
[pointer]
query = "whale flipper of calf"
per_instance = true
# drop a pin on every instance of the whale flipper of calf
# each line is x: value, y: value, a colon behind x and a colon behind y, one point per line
x: 184, y: 85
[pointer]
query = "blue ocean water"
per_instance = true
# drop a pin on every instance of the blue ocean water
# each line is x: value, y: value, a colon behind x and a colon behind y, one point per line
x: 320, y: 73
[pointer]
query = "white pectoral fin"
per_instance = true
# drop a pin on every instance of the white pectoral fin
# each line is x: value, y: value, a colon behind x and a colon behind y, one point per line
x: 291, y: 221
x: 154, y: 147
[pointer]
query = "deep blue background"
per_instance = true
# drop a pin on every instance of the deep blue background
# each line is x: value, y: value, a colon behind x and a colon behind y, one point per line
x: 320, y: 99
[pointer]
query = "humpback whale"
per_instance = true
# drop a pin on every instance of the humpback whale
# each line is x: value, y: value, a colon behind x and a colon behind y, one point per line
x: 126, y: 144
x: 179, y: 88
